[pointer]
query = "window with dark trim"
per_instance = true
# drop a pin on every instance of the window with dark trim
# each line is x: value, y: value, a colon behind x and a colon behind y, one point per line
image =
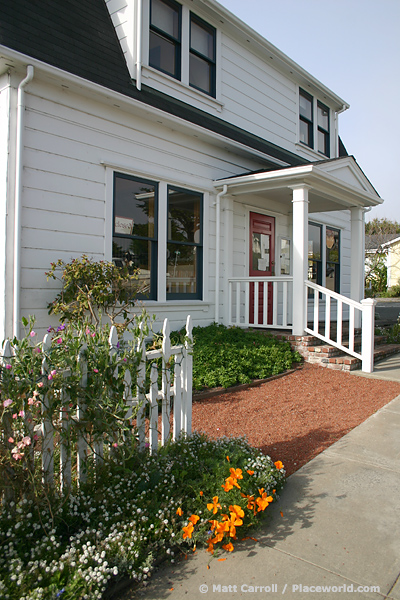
x: 184, y: 244
x: 202, y: 55
x: 315, y: 253
x: 135, y: 228
x: 165, y: 37
x: 332, y: 259
x: 323, y: 128
x: 306, y: 119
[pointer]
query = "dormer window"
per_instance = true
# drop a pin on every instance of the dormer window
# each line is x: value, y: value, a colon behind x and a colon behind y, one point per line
x: 202, y: 56
x: 314, y: 133
x: 182, y: 45
x: 165, y: 37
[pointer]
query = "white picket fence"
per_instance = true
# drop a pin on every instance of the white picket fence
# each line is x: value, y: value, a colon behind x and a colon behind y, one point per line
x: 175, y: 396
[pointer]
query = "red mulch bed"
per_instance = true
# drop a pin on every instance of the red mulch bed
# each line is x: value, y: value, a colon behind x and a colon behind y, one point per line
x: 295, y: 417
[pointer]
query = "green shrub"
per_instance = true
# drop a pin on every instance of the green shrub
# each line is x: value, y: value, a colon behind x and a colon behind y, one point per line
x: 229, y: 356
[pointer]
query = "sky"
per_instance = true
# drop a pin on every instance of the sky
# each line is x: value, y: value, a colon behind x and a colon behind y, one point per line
x: 352, y: 47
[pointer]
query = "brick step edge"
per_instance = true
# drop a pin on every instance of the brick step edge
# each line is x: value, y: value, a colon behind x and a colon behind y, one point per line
x: 325, y: 350
x: 345, y: 362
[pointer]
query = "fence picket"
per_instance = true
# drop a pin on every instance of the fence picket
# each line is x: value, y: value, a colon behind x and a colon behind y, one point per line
x: 65, y: 447
x: 153, y: 425
x: 165, y: 383
x: 80, y: 415
x: 47, y: 425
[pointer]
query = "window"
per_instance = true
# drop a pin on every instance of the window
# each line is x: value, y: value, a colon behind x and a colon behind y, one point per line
x: 314, y: 253
x: 328, y: 256
x: 165, y: 37
x: 332, y: 259
x: 306, y: 119
x: 135, y: 228
x: 182, y: 45
x: 185, y: 244
x: 202, y: 56
x: 323, y: 128
x: 315, y: 135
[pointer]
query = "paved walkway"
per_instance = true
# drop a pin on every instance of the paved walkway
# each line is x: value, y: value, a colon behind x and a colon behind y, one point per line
x: 339, y: 536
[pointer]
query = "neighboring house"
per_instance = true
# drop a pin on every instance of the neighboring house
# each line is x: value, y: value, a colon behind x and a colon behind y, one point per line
x: 174, y: 137
x: 386, y: 245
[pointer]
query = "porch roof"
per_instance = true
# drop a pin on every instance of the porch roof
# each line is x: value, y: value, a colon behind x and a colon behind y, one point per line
x: 334, y: 184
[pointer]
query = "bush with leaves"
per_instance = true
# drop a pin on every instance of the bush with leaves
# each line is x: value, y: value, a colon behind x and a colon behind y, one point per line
x: 93, y: 290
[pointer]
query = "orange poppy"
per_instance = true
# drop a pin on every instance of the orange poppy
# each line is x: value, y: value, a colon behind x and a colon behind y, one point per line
x: 179, y: 511
x: 187, y: 531
x: 194, y: 518
x: 214, y: 505
x: 279, y: 464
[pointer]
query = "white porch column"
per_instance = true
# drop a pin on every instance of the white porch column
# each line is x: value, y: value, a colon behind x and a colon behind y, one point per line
x: 357, y: 258
x: 300, y: 256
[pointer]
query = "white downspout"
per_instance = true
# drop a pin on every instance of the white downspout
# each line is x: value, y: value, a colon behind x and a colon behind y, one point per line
x: 218, y: 248
x: 18, y: 197
x: 139, y: 45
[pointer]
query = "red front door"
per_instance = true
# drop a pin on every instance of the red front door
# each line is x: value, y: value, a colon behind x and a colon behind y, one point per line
x: 262, y: 257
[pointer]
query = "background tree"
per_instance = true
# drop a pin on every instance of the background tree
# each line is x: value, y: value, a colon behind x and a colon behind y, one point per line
x: 381, y: 226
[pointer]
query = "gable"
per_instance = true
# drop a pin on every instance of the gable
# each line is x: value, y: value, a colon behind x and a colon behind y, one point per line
x: 346, y: 170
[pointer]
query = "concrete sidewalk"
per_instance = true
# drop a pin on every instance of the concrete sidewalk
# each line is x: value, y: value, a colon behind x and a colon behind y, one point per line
x: 340, y: 527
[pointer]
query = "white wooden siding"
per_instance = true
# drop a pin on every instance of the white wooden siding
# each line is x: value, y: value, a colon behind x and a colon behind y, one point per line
x: 4, y: 148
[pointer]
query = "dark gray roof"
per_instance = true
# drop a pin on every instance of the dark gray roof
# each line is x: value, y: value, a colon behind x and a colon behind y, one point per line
x: 78, y: 36
x: 373, y: 242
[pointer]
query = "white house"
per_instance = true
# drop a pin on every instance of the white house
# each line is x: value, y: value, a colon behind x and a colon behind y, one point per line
x: 172, y: 135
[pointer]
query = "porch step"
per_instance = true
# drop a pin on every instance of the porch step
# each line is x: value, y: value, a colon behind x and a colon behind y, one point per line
x: 316, y: 351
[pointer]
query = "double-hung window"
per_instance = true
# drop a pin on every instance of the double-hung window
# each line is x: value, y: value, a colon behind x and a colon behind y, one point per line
x: 332, y: 259
x: 135, y: 229
x: 165, y: 37
x: 184, y: 244
x: 315, y: 253
x: 306, y: 119
x: 323, y: 128
x: 202, y: 55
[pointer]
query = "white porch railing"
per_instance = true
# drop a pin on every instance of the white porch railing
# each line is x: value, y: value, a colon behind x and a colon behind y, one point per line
x: 256, y: 302
x: 326, y: 302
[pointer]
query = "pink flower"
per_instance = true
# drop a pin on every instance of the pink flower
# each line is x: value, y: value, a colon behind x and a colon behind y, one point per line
x: 87, y: 331
x: 36, y: 393
x: 36, y: 437
x: 27, y: 440
x: 54, y: 372
x: 32, y: 333
x: 17, y: 455
x: 10, y: 440
x: 31, y: 401
x: 124, y: 359
x: 37, y: 350
x: 115, y: 445
x: 8, y: 367
x: 59, y: 341
x: 7, y: 402
x: 14, y: 416
x: 50, y: 377
x: 96, y: 370
x: 21, y: 413
x: 40, y: 384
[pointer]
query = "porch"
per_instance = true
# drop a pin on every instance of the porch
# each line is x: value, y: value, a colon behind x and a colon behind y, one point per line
x: 271, y: 293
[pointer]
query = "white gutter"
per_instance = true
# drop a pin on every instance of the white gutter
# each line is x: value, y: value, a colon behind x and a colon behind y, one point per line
x: 18, y: 197
x: 218, y: 248
x: 139, y: 45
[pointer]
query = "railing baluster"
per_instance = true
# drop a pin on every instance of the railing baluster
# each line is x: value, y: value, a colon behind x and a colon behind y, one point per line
x: 166, y: 383
x: 284, y: 303
x: 256, y: 299
x: 351, y: 328
x: 339, y: 321
x: 327, y: 316
x: 247, y: 304
x: 230, y: 312
x: 274, y: 303
x: 153, y: 433
x: 316, y: 311
x: 238, y: 307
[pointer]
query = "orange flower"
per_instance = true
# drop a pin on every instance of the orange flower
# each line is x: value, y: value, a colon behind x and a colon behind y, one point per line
x: 250, y: 472
x: 279, y: 464
x: 214, y: 505
x: 210, y: 548
x: 236, y: 473
x: 238, y: 511
x: 194, y: 518
x: 214, y: 523
x: 228, y: 547
x: 201, y: 493
x: 179, y: 512
x: 187, y: 531
x: 230, y: 482
x: 251, y: 503
x: 228, y: 459
x: 264, y: 500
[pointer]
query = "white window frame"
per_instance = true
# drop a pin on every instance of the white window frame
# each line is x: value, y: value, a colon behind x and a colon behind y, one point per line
x: 313, y: 151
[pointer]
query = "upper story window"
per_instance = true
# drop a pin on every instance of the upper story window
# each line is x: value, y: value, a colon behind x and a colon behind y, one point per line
x: 202, y: 56
x: 165, y: 37
x: 314, y: 133
x: 323, y: 128
x: 135, y: 228
x: 182, y: 45
x: 306, y: 119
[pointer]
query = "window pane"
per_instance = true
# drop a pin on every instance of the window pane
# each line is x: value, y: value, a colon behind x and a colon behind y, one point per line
x: 163, y: 54
x: 136, y: 254
x: 181, y: 269
x: 332, y: 245
x: 323, y: 142
x: 184, y: 214
x: 331, y: 276
x: 285, y: 257
x: 202, y: 40
x: 305, y: 133
x: 314, y: 242
x: 323, y: 117
x: 201, y: 74
x: 134, y: 206
x: 165, y: 17
x: 305, y: 107
x: 261, y: 258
